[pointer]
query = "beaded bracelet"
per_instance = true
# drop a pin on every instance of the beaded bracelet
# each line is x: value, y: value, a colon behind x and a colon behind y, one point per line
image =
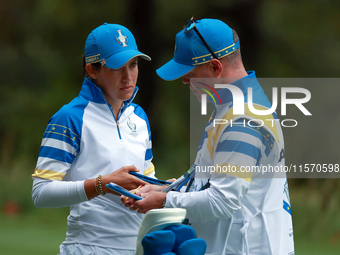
x: 99, y: 186
x: 96, y: 186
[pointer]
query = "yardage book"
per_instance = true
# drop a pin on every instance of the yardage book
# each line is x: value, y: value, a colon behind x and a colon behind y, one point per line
x: 122, y: 191
x: 181, y: 181
x: 173, y: 186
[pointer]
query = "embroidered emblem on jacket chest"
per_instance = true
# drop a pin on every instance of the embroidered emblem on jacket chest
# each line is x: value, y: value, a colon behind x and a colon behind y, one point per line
x: 133, y: 127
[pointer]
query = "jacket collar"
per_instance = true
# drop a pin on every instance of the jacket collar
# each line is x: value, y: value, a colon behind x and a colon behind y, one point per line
x: 91, y: 92
x: 249, y: 81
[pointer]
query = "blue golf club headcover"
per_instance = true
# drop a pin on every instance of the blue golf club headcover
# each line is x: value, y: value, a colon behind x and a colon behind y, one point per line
x: 182, y: 233
x: 195, y: 246
x: 159, y: 242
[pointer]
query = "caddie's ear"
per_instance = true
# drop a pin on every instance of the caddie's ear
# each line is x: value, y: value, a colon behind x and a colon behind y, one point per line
x: 91, y: 71
x: 217, y: 67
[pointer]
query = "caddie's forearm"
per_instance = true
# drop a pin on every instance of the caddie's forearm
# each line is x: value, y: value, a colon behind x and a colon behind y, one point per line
x: 207, y: 205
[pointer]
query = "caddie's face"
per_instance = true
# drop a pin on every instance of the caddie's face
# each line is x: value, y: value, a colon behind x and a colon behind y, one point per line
x: 118, y: 84
x: 201, y: 71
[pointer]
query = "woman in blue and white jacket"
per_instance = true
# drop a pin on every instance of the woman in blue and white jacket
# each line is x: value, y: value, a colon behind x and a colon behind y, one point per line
x: 96, y: 139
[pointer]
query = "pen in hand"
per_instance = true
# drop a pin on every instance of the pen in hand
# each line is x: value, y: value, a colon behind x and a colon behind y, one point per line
x: 127, y: 198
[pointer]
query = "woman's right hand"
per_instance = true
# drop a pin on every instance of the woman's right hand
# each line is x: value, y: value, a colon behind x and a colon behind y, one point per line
x: 128, y: 202
x: 120, y: 177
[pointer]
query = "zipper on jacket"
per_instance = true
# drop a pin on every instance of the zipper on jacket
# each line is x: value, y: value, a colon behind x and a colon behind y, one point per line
x: 117, y: 121
x: 118, y: 129
x: 118, y: 126
x: 121, y: 110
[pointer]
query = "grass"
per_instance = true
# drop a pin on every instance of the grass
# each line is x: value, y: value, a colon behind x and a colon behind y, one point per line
x: 37, y: 233
x: 316, y: 229
x: 41, y: 231
x: 306, y: 247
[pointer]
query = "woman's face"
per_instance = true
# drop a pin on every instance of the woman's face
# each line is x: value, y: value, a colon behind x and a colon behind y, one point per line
x: 118, y: 84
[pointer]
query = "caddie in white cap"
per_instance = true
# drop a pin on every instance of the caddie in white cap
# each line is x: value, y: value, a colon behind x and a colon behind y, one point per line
x: 98, y: 138
x: 233, y: 207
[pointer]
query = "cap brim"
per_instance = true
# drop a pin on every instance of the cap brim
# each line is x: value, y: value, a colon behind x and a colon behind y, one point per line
x: 119, y: 59
x: 173, y: 70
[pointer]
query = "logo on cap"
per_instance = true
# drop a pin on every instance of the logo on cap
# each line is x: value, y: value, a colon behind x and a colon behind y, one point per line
x: 121, y: 39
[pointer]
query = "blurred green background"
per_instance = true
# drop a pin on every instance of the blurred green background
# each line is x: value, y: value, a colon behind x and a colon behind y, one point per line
x: 41, y: 44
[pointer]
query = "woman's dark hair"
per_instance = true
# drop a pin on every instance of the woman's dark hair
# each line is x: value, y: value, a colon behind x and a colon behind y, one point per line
x: 95, y: 66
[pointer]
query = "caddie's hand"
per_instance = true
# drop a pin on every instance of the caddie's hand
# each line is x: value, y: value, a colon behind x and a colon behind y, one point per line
x: 151, y: 200
x: 171, y: 180
x: 128, y: 202
x: 122, y: 178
